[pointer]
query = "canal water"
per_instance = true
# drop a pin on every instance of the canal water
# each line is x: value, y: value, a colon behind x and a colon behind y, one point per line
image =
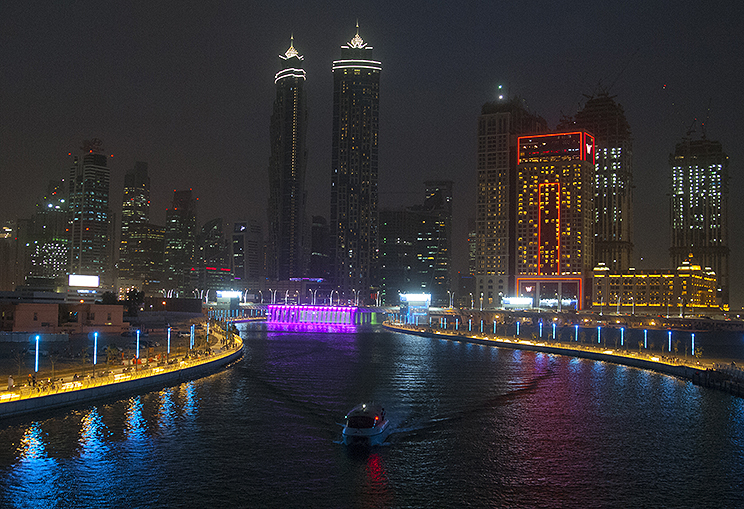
x: 470, y: 425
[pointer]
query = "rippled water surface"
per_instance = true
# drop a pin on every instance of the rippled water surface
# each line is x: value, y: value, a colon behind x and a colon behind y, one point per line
x: 470, y: 425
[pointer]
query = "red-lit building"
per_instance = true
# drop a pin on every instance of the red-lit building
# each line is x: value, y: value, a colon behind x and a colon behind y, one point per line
x: 555, y: 219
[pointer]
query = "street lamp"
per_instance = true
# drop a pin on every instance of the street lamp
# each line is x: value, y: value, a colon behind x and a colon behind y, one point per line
x: 36, y: 365
x: 137, y: 354
x: 481, y: 301
x: 168, y: 351
x: 95, y: 352
x: 449, y: 294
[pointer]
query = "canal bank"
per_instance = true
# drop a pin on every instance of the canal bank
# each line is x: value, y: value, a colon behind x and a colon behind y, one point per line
x: 28, y: 400
x: 700, y: 373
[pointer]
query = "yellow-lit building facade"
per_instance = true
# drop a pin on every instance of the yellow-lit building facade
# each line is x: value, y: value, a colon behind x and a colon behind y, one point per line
x: 687, y: 290
x: 555, y: 219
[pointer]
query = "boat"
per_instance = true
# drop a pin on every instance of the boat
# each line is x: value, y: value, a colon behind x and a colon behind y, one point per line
x: 365, y: 425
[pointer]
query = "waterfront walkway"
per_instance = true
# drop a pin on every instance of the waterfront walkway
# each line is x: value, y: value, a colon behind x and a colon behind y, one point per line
x: 709, y: 373
x: 113, y: 381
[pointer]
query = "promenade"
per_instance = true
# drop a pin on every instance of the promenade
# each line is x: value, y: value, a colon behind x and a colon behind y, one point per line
x: 709, y: 373
x: 161, y: 371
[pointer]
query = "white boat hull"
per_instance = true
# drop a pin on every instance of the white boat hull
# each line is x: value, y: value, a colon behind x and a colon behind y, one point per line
x: 368, y: 436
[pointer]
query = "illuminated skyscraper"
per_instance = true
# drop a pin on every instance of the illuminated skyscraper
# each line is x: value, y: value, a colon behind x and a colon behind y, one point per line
x: 90, y: 216
x: 613, y: 179
x: 48, y: 239
x: 288, y: 228
x: 180, y: 243
x: 699, y: 208
x: 354, y: 219
x: 499, y: 125
x: 555, y: 218
x: 141, y: 247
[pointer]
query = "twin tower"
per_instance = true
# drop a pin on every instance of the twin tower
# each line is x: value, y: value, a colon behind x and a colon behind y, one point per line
x: 354, y: 218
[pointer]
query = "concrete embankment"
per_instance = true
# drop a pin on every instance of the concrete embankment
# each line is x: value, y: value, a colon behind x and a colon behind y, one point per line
x: 698, y: 375
x: 109, y: 387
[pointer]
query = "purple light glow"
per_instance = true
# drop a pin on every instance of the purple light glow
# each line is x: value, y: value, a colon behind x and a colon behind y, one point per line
x: 309, y: 314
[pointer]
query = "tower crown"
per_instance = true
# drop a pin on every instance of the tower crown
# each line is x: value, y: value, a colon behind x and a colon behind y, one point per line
x: 291, y: 52
x: 357, y: 42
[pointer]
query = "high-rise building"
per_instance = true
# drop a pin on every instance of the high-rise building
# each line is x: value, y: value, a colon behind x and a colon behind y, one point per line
x: 287, y: 196
x: 212, y: 269
x: 354, y: 219
x: 319, y: 264
x: 613, y: 179
x: 435, y: 240
x: 141, y: 248
x: 699, y: 208
x: 135, y: 210
x: 11, y: 264
x: 555, y: 219
x: 248, y: 255
x: 90, y: 216
x: 398, y: 260
x: 472, y: 246
x: 499, y: 126
x: 47, y: 245
x: 416, y: 246
x: 180, y: 238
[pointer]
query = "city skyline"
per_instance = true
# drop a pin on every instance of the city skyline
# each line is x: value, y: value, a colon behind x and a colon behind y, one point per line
x: 194, y: 102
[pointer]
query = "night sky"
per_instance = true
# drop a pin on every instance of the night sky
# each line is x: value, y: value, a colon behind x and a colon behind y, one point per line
x: 188, y: 87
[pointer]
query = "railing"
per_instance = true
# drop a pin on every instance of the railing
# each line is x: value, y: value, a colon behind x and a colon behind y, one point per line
x: 124, y: 375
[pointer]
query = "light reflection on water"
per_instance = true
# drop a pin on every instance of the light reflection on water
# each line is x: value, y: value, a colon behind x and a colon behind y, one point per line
x: 92, y: 436
x: 167, y: 411
x: 136, y: 426
x: 191, y: 401
x: 34, y: 480
x: 493, y: 427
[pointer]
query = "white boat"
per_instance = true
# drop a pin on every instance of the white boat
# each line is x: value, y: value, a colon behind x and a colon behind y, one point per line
x: 365, y: 425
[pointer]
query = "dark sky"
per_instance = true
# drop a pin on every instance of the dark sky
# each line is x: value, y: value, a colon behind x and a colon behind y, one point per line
x: 188, y: 87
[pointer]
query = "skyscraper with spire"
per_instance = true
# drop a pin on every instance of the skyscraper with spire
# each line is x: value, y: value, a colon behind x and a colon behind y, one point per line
x: 499, y: 126
x: 354, y: 219
x: 288, y: 228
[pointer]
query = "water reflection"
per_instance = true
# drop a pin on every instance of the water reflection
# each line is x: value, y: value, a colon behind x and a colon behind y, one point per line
x: 135, y: 424
x: 376, y: 489
x: 92, y: 436
x: 191, y: 401
x: 33, y: 482
x: 167, y: 409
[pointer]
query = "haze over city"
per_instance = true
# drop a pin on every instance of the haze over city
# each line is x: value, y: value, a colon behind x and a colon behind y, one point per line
x: 188, y: 88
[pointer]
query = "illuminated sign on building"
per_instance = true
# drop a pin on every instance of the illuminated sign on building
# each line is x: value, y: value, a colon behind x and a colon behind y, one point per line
x: 556, y: 147
x: 83, y: 281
